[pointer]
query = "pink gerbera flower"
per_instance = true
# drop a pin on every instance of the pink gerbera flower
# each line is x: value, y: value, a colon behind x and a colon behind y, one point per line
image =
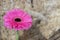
x: 17, y: 19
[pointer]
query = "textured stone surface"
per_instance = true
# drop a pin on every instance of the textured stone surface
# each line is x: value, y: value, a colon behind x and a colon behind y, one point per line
x: 46, y: 19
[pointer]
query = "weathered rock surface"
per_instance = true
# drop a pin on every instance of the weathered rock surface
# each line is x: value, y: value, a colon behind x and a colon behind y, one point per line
x: 46, y: 26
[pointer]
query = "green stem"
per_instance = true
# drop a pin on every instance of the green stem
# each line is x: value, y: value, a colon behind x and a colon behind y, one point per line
x: 17, y: 36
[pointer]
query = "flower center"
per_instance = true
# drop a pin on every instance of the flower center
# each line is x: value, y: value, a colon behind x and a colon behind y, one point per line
x: 18, y: 20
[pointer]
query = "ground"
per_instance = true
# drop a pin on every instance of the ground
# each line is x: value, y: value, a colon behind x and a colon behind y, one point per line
x: 46, y: 26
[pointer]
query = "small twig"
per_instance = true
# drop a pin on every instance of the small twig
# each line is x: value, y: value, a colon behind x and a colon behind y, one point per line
x: 32, y: 3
